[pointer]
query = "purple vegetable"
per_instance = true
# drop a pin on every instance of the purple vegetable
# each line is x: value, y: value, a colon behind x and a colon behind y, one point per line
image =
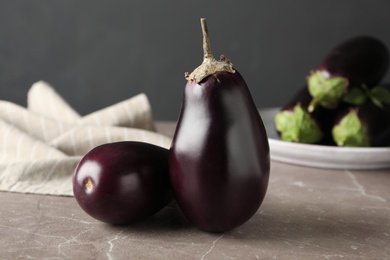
x: 219, y: 159
x: 123, y: 182
x: 360, y: 61
x: 366, y: 125
x: 294, y: 123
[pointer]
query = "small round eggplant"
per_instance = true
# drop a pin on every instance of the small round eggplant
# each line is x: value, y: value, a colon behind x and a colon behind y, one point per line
x: 360, y: 61
x: 219, y: 159
x: 294, y: 123
x: 123, y: 182
x: 367, y: 125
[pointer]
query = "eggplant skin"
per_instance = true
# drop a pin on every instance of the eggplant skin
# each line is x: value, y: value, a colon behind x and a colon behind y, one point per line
x: 302, y: 96
x: 362, y: 60
x: 219, y: 159
x: 377, y: 121
x: 123, y: 182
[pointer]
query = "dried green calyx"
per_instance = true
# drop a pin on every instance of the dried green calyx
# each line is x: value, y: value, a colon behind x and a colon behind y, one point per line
x: 326, y: 91
x: 350, y: 131
x: 209, y: 65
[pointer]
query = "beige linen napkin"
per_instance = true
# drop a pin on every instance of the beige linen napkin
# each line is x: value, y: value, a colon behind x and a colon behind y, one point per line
x: 42, y: 144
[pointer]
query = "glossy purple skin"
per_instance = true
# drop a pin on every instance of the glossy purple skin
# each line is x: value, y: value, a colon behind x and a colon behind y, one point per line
x: 219, y: 159
x: 130, y: 182
x: 362, y: 60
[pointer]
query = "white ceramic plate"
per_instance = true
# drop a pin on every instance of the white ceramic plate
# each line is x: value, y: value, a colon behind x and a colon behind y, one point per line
x: 330, y: 157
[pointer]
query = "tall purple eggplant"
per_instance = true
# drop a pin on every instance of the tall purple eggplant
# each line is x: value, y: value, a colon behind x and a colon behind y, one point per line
x: 219, y: 159
x: 357, y: 62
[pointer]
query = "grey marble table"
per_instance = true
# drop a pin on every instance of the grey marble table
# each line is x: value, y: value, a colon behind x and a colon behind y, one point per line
x: 308, y: 213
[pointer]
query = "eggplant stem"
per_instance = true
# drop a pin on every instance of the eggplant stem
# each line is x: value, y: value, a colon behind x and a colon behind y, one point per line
x: 312, y: 106
x: 207, y: 54
x: 209, y: 65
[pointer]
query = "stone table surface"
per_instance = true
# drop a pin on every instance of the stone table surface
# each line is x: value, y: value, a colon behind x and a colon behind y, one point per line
x: 308, y: 213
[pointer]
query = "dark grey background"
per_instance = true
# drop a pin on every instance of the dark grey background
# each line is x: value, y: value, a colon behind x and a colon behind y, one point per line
x: 97, y: 53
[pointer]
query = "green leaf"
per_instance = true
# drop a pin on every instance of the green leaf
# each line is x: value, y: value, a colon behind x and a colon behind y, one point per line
x: 355, y: 96
x: 381, y: 94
